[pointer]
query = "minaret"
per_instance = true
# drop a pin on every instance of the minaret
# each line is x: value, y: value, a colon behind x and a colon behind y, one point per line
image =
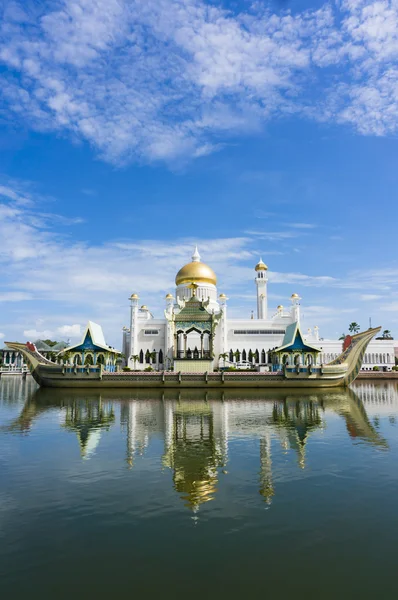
x: 295, y: 298
x: 224, y: 324
x: 261, y: 283
x: 133, y: 326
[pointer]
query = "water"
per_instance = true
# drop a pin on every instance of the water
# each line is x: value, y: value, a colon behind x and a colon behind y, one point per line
x: 114, y: 494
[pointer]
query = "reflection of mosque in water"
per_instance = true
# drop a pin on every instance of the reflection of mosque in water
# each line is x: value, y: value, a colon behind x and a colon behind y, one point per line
x: 197, y: 428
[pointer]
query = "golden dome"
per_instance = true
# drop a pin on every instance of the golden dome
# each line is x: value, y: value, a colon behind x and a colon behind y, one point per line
x: 223, y: 296
x: 169, y: 296
x: 280, y: 307
x: 144, y: 307
x: 260, y: 266
x: 134, y: 296
x: 197, y: 272
x: 295, y: 296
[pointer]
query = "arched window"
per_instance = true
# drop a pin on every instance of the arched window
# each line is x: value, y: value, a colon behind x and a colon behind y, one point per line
x: 250, y: 356
x: 373, y: 358
x: 160, y: 357
x: 100, y: 359
x: 263, y: 356
x: 77, y: 360
x: 88, y: 360
x: 147, y: 357
x: 141, y: 357
x: 231, y: 356
x: 257, y: 357
x: 237, y: 355
x: 384, y: 358
x: 244, y: 357
x: 377, y: 358
x: 388, y: 358
x: 153, y: 354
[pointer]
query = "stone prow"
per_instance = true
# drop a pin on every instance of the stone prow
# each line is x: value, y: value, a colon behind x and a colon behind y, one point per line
x: 32, y: 357
x: 352, y: 357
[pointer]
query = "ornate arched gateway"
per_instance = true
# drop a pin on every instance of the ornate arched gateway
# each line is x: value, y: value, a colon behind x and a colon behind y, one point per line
x: 194, y: 327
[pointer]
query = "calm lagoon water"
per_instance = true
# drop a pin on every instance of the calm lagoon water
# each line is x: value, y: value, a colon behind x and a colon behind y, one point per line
x: 125, y: 494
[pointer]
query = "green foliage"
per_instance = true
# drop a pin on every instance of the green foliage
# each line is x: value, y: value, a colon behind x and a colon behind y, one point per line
x: 387, y: 334
x: 376, y: 368
x: 126, y: 369
x: 342, y: 337
x: 148, y: 369
x: 50, y: 342
x: 395, y: 368
x: 353, y: 327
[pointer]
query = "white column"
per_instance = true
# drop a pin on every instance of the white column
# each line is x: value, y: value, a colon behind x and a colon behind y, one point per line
x: 133, y: 325
x: 262, y: 301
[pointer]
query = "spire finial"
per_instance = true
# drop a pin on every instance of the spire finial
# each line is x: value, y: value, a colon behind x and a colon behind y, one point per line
x: 196, y: 255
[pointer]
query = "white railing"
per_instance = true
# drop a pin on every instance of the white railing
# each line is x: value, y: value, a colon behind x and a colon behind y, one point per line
x: 13, y: 369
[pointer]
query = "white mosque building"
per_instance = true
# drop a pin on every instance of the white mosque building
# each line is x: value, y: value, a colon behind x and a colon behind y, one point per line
x: 196, y: 335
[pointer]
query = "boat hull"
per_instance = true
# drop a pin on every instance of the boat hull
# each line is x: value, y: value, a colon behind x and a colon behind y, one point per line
x: 339, y: 373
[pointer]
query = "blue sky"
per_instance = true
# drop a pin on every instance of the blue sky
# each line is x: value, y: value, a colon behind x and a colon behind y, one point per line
x: 132, y: 130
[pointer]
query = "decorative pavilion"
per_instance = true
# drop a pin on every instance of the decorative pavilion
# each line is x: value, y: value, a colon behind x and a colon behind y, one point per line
x: 294, y: 351
x: 93, y: 350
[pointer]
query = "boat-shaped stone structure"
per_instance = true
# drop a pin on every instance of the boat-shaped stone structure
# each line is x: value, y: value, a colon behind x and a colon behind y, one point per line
x: 340, y: 372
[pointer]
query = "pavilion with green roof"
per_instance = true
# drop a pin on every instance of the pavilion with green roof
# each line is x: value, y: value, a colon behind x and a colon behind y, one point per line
x: 295, y: 351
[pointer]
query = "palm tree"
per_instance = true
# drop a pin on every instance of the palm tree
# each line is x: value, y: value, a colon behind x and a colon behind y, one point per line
x: 135, y: 357
x: 224, y: 356
x: 387, y: 334
x: 353, y: 327
x: 342, y: 337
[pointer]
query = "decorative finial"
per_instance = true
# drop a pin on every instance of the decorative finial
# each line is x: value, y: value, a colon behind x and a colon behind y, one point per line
x: 196, y: 255
x: 193, y: 286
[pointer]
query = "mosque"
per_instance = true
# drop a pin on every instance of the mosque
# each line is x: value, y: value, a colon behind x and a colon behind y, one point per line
x: 196, y: 335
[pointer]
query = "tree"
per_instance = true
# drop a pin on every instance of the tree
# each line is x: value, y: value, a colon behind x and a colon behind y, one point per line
x: 135, y: 357
x: 387, y: 334
x: 50, y: 342
x: 342, y: 337
x: 224, y: 356
x: 353, y: 327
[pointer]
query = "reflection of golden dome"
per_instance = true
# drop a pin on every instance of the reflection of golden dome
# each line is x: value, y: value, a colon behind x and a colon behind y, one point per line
x: 260, y: 266
x: 196, y: 271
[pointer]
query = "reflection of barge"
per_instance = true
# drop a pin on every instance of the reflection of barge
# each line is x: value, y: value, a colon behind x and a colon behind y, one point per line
x: 340, y: 372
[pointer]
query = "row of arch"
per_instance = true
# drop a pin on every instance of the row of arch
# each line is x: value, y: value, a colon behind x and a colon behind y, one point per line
x: 369, y: 358
x: 154, y: 357
x: 248, y: 355
x: 377, y: 359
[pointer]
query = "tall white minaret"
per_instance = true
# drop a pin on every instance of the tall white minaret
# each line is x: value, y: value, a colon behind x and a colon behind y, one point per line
x: 133, y: 326
x: 295, y: 312
x: 261, y: 283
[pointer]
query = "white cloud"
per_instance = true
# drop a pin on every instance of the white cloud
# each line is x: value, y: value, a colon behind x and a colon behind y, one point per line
x: 369, y: 297
x: 14, y: 296
x: 169, y: 79
x: 72, y: 331
x: 63, y: 332
x: 2, y: 335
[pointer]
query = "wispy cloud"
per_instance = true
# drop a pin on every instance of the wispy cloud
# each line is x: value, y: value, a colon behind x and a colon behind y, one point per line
x: 301, y: 225
x: 166, y: 79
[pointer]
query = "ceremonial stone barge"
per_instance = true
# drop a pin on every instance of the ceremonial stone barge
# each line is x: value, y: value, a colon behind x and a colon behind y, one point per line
x: 295, y: 361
